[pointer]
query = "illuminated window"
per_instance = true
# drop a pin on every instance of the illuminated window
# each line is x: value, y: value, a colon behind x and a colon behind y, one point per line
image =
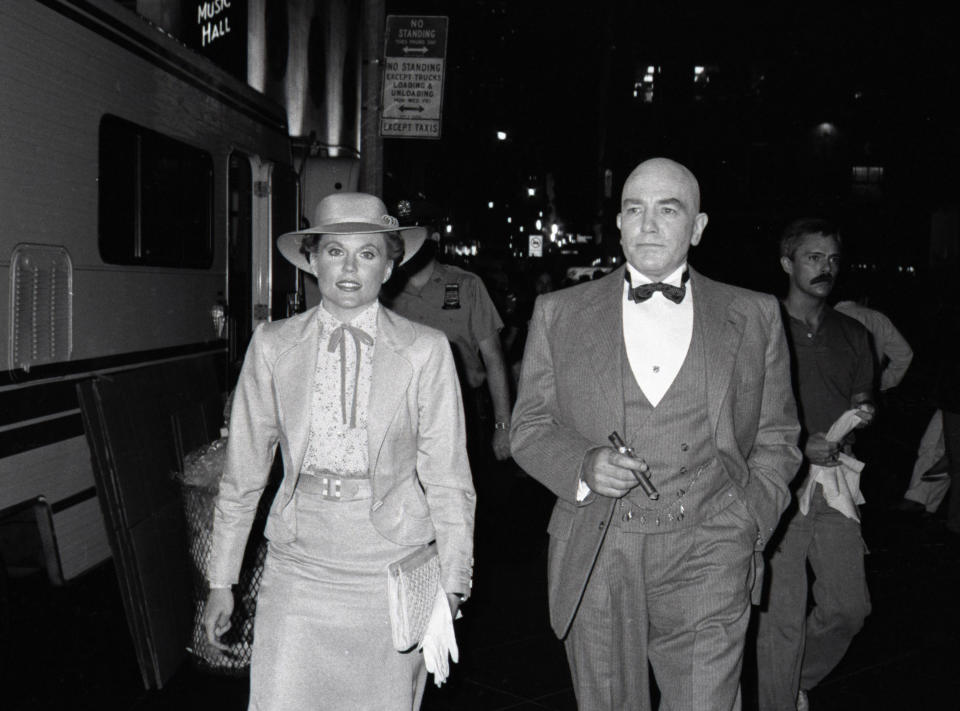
x: 643, y: 86
x: 703, y: 75
x: 866, y: 181
x: 867, y: 173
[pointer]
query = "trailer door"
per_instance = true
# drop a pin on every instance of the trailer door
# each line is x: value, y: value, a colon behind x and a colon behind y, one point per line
x: 287, y: 288
x: 239, y: 261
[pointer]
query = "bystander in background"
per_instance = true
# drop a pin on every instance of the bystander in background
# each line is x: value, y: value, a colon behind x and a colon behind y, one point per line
x: 457, y: 302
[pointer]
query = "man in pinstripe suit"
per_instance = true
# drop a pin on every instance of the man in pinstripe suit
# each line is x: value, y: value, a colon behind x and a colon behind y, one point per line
x: 694, y: 375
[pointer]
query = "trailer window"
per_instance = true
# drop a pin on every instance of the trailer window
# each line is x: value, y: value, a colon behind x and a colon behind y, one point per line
x: 156, y: 198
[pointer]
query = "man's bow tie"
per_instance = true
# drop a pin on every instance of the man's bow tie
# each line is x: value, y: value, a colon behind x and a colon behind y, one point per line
x: 643, y: 292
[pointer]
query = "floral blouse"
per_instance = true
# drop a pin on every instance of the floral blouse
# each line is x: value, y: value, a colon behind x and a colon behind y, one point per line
x: 341, y: 390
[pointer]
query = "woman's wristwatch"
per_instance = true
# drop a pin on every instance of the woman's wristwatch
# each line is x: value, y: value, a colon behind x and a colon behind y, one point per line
x: 501, y: 425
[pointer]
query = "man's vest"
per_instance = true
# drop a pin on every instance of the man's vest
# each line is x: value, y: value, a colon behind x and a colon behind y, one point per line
x: 676, y: 441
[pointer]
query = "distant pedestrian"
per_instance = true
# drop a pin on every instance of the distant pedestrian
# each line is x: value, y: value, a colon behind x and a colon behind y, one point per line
x: 833, y: 375
x: 456, y: 302
x: 543, y: 284
x: 892, y: 351
x: 948, y: 399
x: 931, y: 471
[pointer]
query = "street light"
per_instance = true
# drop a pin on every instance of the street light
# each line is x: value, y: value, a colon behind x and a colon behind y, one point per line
x: 826, y: 129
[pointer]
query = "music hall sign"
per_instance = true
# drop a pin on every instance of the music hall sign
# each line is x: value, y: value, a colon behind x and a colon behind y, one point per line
x: 217, y: 29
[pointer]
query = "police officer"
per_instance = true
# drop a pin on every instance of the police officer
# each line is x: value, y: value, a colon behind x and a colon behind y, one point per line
x: 457, y: 302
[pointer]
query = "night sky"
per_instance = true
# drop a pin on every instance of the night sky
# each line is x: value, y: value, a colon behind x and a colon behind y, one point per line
x: 797, y: 96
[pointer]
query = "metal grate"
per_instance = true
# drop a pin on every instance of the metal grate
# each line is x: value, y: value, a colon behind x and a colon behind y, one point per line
x: 41, y: 305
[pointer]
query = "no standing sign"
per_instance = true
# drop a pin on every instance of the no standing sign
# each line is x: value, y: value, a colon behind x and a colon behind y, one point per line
x: 414, y: 56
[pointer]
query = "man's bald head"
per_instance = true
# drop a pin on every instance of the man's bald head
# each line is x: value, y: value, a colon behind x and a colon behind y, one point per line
x: 667, y: 169
x: 660, y: 217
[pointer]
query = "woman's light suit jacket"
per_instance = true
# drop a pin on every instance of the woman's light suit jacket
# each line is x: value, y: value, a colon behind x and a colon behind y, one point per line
x: 421, y: 481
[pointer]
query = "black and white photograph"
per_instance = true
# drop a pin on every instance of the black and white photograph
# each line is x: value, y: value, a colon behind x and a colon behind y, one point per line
x: 479, y: 355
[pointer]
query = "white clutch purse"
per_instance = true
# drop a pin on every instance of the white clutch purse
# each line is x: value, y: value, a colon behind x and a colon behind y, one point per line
x: 412, y: 584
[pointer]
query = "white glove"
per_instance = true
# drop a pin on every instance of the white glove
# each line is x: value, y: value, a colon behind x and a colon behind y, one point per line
x: 439, y: 640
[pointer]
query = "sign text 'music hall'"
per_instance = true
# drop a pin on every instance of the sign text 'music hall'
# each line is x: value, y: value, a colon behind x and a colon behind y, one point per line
x: 212, y: 26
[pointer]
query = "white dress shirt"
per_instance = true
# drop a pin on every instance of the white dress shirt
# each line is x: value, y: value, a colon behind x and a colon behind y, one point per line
x: 656, y: 335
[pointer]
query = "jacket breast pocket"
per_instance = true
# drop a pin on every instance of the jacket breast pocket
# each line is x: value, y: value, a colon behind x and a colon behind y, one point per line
x: 561, y: 521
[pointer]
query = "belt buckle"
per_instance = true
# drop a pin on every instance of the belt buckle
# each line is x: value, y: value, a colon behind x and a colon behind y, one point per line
x: 331, y: 487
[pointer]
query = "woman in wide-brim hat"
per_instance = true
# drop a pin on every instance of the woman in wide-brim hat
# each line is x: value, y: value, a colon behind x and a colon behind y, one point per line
x: 365, y: 406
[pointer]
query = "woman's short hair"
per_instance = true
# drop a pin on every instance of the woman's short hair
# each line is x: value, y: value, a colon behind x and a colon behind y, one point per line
x: 310, y: 244
x: 794, y: 234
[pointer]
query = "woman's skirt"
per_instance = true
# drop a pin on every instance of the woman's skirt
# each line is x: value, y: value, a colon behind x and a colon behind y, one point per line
x: 322, y: 636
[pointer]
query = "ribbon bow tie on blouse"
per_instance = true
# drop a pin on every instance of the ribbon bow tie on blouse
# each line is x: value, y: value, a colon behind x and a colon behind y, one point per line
x: 338, y: 340
x: 643, y: 292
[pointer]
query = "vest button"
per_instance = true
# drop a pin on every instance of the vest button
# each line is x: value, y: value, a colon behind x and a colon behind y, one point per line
x: 683, y: 470
x: 684, y: 447
x: 600, y: 527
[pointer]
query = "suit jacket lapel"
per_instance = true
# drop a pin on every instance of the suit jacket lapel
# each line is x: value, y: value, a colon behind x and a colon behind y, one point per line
x: 721, y: 327
x: 603, y: 318
x: 391, y: 377
x: 295, y: 385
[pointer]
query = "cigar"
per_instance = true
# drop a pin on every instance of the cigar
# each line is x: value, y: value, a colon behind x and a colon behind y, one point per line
x: 642, y: 479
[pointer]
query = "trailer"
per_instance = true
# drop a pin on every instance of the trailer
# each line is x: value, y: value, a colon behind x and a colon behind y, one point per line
x: 141, y: 191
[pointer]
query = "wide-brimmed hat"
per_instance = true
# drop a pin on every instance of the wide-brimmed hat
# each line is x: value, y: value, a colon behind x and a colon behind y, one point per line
x: 347, y: 214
